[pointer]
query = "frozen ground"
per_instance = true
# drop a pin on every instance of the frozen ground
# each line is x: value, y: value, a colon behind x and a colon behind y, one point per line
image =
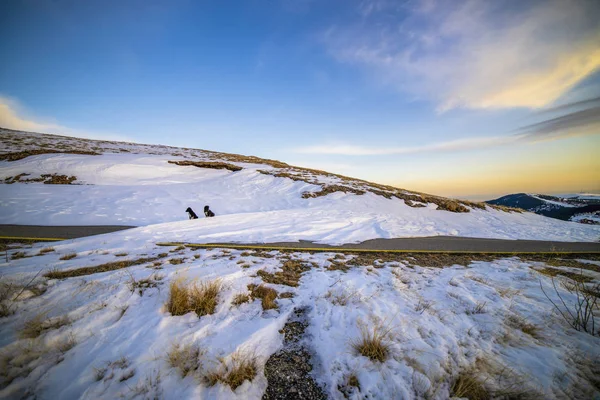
x: 103, y: 336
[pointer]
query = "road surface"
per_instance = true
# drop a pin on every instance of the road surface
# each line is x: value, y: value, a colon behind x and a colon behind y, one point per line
x: 435, y: 243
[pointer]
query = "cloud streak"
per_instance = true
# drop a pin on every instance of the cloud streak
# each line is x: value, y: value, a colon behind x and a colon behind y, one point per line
x: 583, y: 119
x: 474, y: 54
x: 11, y: 117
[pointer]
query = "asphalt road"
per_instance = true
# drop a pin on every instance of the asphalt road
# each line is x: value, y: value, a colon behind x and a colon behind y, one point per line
x: 438, y: 243
x: 63, y: 232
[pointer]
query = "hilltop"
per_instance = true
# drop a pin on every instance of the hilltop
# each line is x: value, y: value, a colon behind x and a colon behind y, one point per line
x: 105, y: 183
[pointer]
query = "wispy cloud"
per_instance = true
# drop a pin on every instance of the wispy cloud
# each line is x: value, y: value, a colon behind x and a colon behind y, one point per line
x: 13, y: 116
x: 475, y: 54
x: 583, y: 119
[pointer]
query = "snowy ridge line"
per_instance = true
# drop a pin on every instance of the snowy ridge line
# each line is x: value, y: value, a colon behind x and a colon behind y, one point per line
x: 355, y: 250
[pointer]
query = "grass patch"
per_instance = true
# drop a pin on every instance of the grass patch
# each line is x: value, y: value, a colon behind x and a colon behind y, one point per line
x: 18, y: 255
x: 19, y: 155
x: 208, y: 164
x: 373, y: 343
x: 39, y: 324
x: 46, y: 250
x: 552, y: 272
x: 266, y: 294
x: 111, y: 266
x: 120, y: 254
x: 186, y: 358
x: 241, y: 367
x: 240, y: 298
x: 518, y: 322
x: 290, y: 274
x: 69, y: 256
x: 478, y: 308
x: 199, y: 297
x: 467, y: 385
x: 176, y: 261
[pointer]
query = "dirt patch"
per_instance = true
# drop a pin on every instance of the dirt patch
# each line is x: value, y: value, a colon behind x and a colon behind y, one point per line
x: 19, y: 155
x: 51, y: 179
x: 288, y: 370
x: 57, y: 274
x: 579, y: 277
x: 208, y: 164
x: 290, y: 274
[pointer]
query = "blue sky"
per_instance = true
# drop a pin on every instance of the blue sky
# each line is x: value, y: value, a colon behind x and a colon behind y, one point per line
x: 427, y: 95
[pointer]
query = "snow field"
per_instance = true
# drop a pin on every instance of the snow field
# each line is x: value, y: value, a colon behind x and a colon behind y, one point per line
x: 142, y: 189
x: 440, y: 321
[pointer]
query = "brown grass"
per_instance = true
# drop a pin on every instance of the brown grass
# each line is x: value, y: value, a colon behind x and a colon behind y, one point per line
x: 201, y: 298
x: 208, y: 164
x: 24, y: 154
x: 204, y: 297
x: 57, y: 274
x: 467, y: 385
x: 39, y: 324
x: 289, y: 275
x: 46, y: 250
x: 18, y: 255
x: 373, y: 343
x: 69, y: 256
x: 552, y: 272
x: 176, y: 261
x: 518, y: 322
x: 266, y: 294
x: 240, y: 298
x: 242, y: 367
x: 186, y: 358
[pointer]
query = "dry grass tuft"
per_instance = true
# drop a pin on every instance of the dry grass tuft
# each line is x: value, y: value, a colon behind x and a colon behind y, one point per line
x: 176, y: 261
x: 46, y: 250
x: 242, y: 367
x: 186, y: 358
x: 240, y: 298
x: 120, y: 254
x: 39, y: 324
x: 18, y: 255
x: 69, y: 256
x: 518, y: 322
x: 266, y: 294
x: 204, y: 297
x: 199, y: 297
x: 467, y: 385
x: 373, y: 343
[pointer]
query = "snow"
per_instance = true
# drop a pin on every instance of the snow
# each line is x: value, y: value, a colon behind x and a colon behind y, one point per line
x: 144, y: 190
x: 582, y: 196
x: 433, y: 331
x: 114, y: 340
x: 554, y: 203
x: 590, y: 216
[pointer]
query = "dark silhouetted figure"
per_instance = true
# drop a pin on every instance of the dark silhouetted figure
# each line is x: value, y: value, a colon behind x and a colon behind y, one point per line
x: 207, y: 212
x: 191, y: 213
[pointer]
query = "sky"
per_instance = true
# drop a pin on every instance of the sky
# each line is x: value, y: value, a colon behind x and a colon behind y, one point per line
x: 468, y: 99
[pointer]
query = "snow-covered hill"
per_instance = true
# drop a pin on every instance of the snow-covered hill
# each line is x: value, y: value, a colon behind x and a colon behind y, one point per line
x: 105, y: 317
x: 255, y: 199
x: 568, y: 207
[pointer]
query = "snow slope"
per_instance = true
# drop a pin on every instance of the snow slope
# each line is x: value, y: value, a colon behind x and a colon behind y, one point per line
x: 105, y: 339
x: 128, y: 188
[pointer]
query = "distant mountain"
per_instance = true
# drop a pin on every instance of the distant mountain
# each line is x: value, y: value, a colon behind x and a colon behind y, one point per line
x: 584, y: 208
